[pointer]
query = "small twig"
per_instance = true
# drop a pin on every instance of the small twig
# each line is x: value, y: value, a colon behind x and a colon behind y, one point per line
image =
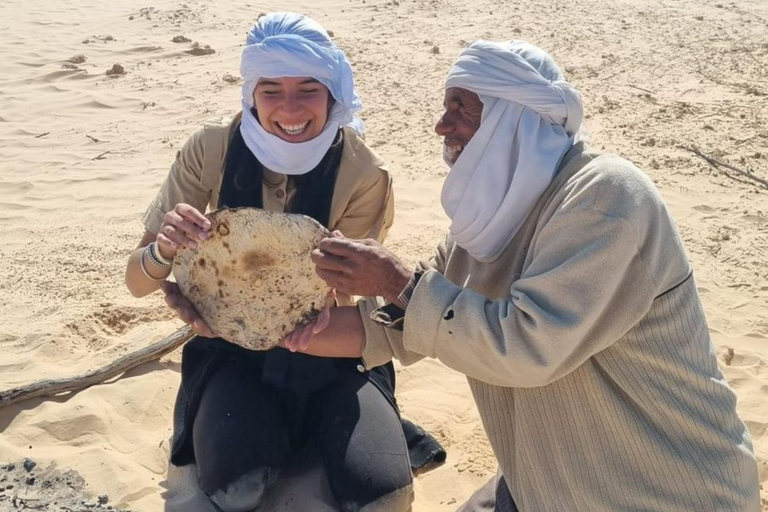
x: 640, y: 89
x: 101, y: 156
x: 94, y: 139
x: 40, y: 136
x: 50, y: 387
x: 714, y: 162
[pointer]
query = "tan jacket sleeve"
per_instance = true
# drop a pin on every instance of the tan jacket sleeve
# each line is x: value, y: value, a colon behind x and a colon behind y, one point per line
x: 593, y: 273
x: 185, y: 183
x: 382, y: 343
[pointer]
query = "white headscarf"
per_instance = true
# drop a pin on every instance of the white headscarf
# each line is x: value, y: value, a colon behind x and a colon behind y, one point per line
x: 530, y: 118
x: 291, y: 45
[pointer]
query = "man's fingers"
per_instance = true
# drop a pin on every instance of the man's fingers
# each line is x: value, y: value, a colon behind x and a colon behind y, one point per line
x: 328, y: 261
x: 333, y: 278
x: 343, y: 247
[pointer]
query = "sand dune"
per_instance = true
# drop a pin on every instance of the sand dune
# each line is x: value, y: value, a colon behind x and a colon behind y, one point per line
x: 82, y: 154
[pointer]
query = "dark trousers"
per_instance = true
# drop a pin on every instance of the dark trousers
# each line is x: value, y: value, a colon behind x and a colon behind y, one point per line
x: 244, y: 427
x: 494, y: 496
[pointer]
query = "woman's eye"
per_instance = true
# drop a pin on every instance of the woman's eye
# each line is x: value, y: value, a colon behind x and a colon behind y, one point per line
x: 310, y: 91
x: 269, y: 93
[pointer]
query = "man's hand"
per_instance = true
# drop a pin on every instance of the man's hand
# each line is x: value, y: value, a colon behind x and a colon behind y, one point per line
x: 184, y: 309
x: 360, y: 267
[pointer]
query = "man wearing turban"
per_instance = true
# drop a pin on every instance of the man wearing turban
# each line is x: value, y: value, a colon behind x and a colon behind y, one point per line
x: 564, y: 294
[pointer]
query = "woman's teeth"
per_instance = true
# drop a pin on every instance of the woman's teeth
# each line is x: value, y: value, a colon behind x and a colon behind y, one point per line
x: 293, y: 129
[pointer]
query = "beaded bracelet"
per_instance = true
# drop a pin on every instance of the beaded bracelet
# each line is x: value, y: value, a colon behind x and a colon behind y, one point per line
x: 144, y: 268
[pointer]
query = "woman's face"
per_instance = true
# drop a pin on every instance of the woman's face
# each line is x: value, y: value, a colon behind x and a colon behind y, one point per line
x: 294, y: 109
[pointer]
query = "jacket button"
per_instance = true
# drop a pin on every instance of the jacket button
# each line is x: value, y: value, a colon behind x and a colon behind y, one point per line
x: 361, y: 368
x: 280, y: 193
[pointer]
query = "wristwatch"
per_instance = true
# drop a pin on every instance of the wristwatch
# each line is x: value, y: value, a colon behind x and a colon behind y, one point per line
x: 405, y: 296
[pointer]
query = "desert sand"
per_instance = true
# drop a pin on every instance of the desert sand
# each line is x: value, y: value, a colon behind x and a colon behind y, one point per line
x: 83, y: 151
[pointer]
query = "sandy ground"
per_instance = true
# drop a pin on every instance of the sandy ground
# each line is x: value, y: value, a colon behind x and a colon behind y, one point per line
x: 82, y: 154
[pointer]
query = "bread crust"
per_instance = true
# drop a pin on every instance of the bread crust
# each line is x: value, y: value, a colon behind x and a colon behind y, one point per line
x: 252, y: 280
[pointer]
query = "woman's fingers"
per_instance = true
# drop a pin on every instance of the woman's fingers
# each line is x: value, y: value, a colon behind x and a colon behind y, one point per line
x: 306, y: 335
x: 188, y: 232
x: 166, y: 246
x: 184, y: 309
x: 291, y: 342
x: 177, y: 236
x: 322, y: 321
x: 193, y: 215
x: 201, y: 328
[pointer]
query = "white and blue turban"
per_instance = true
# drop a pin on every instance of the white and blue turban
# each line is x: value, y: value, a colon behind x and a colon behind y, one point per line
x: 291, y: 45
x: 531, y: 117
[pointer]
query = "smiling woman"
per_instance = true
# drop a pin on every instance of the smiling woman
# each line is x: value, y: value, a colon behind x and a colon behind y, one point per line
x: 243, y: 415
x: 294, y: 109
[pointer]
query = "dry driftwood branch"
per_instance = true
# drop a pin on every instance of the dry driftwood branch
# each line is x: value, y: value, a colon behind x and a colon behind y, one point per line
x: 640, y: 89
x: 50, y: 387
x: 714, y: 162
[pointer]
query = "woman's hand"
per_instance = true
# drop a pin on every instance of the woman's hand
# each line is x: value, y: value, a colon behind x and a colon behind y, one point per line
x: 184, y: 226
x: 184, y: 309
x: 336, y: 332
x: 298, y: 339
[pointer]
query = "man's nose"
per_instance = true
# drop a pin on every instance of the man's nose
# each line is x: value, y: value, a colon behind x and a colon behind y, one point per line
x: 444, y: 125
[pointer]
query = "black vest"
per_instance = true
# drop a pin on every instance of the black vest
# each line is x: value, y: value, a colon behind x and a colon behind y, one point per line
x: 242, y: 186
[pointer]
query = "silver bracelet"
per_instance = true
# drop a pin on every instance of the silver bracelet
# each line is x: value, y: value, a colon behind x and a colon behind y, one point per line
x: 156, y: 258
x: 144, y: 268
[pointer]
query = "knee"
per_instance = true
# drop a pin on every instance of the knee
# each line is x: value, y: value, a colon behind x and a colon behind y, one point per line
x: 399, y: 500
x: 245, y: 493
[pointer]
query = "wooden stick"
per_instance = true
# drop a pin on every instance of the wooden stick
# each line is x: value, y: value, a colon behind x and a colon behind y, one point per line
x: 50, y: 387
x: 640, y: 89
x: 714, y: 162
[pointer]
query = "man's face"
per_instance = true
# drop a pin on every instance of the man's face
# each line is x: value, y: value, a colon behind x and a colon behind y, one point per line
x: 294, y: 109
x: 460, y: 121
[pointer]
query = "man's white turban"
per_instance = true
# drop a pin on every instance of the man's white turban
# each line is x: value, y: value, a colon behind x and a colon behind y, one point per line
x: 530, y: 119
x: 291, y: 45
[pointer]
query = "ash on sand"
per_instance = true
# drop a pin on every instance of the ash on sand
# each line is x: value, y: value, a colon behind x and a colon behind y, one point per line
x: 24, y: 485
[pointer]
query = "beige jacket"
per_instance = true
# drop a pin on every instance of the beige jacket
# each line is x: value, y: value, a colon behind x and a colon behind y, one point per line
x: 362, y: 206
x: 588, y: 354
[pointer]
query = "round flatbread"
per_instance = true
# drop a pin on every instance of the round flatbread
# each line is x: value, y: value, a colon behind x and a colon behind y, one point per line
x: 252, y: 280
